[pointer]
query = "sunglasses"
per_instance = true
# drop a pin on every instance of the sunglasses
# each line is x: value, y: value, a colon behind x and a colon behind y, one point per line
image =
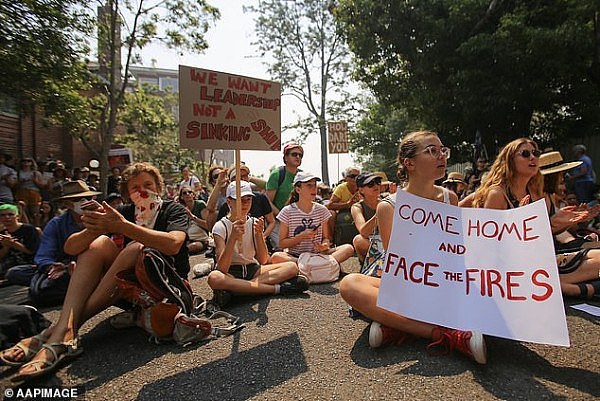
x: 215, y: 176
x: 373, y: 183
x: 297, y: 154
x: 526, y: 153
x: 184, y: 193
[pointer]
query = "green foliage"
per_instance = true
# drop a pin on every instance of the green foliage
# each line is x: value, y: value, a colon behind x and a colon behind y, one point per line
x: 40, y: 45
x: 468, y: 65
x: 148, y: 125
x: 309, y: 58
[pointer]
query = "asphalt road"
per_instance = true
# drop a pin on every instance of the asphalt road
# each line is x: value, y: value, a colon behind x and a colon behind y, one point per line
x: 306, y: 348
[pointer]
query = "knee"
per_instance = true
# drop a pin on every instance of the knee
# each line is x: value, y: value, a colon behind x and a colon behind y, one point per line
x: 292, y: 267
x: 348, y: 286
x: 216, y: 280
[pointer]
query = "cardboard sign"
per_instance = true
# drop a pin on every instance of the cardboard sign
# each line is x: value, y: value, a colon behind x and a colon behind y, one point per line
x: 119, y: 157
x: 475, y: 269
x: 338, y: 136
x: 225, y: 111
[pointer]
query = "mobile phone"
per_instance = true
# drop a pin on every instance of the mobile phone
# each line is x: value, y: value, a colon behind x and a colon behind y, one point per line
x: 91, y: 205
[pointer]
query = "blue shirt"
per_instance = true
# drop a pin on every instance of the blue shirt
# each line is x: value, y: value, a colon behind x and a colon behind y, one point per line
x: 587, y: 163
x: 56, y: 232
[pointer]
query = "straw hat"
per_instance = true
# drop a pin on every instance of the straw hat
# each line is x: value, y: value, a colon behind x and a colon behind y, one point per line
x: 552, y: 162
x: 384, y: 178
x: 455, y: 176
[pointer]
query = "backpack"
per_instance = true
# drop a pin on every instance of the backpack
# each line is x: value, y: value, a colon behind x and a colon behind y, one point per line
x: 318, y: 268
x: 169, y: 310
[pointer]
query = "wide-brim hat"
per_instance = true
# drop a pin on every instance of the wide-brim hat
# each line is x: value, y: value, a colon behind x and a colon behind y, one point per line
x: 77, y: 189
x: 455, y: 176
x: 384, y: 177
x: 552, y: 162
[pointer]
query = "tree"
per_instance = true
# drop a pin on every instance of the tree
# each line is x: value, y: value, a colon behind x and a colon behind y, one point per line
x: 150, y: 128
x: 41, y: 49
x: 504, y: 68
x: 309, y: 59
x: 132, y: 25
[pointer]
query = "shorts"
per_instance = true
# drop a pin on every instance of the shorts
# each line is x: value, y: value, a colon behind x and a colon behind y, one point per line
x: 569, y: 262
x: 244, y: 272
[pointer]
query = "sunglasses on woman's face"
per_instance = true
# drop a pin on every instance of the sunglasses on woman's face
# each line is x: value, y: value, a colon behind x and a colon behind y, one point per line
x: 373, y: 183
x: 526, y: 153
x: 184, y: 193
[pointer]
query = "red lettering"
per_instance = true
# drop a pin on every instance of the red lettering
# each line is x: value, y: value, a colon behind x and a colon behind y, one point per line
x: 412, y: 272
x: 527, y: 229
x: 429, y: 274
x: 470, y: 226
x: 508, y: 230
x: 449, y: 225
x: 510, y: 285
x: 494, y: 281
x: 389, y: 261
x: 203, y: 78
x: 193, y: 129
x: 548, y: 287
x: 469, y: 278
x: 494, y: 228
x: 402, y: 265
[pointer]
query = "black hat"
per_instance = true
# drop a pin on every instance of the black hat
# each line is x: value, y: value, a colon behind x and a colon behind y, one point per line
x: 365, y: 178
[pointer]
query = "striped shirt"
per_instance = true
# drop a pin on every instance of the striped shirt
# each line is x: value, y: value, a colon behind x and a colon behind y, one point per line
x: 298, y: 221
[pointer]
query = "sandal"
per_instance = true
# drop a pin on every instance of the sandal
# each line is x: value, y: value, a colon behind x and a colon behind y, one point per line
x: 26, y: 347
x: 60, y: 352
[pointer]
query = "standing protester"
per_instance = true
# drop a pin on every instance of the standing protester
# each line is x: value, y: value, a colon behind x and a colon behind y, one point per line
x: 281, y: 184
x: 114, y: 180
x: 189, y: 179
x: 28, y: 189
x: 8, y: 179
x: 583, y: 176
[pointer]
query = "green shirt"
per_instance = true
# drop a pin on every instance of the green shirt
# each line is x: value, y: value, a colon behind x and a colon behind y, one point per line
x: 284, y: 190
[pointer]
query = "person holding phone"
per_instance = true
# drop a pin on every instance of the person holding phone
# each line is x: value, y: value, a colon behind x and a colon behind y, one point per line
x: 304, y: 224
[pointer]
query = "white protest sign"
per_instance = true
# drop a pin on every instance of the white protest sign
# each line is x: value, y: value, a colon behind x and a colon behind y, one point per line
x: 475, y: 269
x: 225, y: 111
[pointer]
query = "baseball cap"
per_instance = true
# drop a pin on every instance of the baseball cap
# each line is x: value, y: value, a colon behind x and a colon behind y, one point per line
x: 291, y: 146
x: 84, y: 169
x: 365, y: 178
x: 245, y: 189
x: 302, y: 176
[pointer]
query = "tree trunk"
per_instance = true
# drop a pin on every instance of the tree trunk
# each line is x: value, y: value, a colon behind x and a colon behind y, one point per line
x: 324, y: 152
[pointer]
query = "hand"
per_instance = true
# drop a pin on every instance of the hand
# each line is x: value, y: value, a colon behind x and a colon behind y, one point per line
x: 309, y: 233
x: 6, y: 240
x: 567, y: 216
x: 222, y: 180
x: 259, y: 226
x: 56, y: 270
x: 239, y: 228
x: 525, y: 200
x: 323, y: 246
x: 103, y: 221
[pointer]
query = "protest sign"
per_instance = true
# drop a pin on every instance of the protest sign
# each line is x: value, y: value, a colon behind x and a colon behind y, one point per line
x: 475, y: 269
x: 225, y: 111
x: 119, y: 157
x: 338, y: 136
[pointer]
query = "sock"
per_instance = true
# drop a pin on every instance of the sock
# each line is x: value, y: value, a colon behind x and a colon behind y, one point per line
x: 277, y: 288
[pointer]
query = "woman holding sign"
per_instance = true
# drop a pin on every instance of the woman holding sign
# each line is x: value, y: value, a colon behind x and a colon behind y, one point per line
x: 421, y: 161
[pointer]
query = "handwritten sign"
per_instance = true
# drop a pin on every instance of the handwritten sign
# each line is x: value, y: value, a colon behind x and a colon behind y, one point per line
x: 225, y: 111
x: 338, y: 136
x: 475, y: 269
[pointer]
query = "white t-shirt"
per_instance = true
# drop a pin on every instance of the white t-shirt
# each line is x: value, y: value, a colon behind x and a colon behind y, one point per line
x: 298, y: 221
x: 247, y: 253
x: 190, y: 182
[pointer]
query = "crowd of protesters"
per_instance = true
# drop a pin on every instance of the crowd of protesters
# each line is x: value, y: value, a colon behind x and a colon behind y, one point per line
x: 56, y: 234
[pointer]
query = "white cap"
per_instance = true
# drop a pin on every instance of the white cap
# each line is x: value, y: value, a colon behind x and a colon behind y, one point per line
x: 302, y: 176
x: 245, y: 189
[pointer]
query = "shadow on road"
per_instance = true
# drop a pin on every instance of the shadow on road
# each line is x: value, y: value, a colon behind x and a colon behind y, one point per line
x: 241, y: 376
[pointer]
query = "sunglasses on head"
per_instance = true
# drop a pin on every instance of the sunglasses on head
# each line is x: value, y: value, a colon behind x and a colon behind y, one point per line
x: 526, y: 153
x: 297, y: 154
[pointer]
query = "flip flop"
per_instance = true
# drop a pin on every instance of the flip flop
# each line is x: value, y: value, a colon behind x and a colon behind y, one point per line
x: 61, y: 352
x: 28, y: 351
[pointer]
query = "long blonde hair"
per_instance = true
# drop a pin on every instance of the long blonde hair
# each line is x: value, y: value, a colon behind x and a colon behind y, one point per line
x: 407, y: 149
x: 503, y: 172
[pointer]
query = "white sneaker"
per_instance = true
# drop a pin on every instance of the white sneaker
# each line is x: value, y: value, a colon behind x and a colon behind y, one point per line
x: 201, y: 269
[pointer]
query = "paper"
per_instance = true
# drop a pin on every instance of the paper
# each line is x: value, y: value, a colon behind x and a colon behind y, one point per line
x: 591, y: 309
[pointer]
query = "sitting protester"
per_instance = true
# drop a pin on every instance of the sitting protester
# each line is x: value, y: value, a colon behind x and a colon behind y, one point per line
x: 198, y: 213
x: 18, y: 241
x: 304, y: 224
x: 49, y: 277
x: 363, y: 212
x: 242, y: 257
x: 147, y: 222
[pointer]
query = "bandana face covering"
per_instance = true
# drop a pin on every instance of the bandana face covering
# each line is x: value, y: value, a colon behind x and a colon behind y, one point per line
x: 147, y: 204
x: 77, y: 206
